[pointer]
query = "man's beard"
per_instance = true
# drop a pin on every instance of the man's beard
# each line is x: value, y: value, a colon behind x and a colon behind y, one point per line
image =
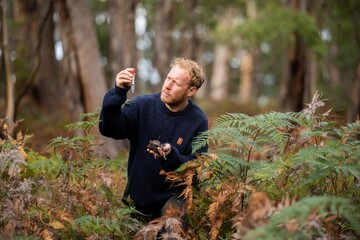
x: 169, y: 100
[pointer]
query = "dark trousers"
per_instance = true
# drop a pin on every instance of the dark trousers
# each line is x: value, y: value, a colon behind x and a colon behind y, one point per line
x: 173, y: 207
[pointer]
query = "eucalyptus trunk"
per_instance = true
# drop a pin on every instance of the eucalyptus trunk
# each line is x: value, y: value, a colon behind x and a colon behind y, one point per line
x: 220, y: 80
x: 84, y: 75
x: 10, y: 102
x: 164, y: 20
x: 69, y: 65
x: 83, y: 54
x: 292, y: 92
x: 247, y: 63
x: 354, y: 111
x: 123, y: 51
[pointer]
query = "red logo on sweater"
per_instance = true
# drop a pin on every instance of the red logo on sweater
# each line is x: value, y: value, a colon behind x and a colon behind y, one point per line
x: 179, y: 141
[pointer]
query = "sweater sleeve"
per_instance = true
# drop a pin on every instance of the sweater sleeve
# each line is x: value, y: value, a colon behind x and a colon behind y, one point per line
x: 174, y: 159
x: 116, y: 119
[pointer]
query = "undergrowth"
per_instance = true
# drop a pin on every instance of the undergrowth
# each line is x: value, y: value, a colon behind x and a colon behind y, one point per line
x: 269, y: 176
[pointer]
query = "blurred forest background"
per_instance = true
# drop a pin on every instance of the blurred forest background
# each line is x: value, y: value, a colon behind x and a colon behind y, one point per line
x: 59, y: 57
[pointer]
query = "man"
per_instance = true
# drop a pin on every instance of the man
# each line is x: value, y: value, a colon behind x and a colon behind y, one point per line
x: 170, y: 117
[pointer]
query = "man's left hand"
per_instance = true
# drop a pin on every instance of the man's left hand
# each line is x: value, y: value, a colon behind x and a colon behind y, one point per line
x: 161, y: 151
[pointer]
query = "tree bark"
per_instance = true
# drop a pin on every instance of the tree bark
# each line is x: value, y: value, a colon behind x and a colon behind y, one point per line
x: 10, y: 103
x: 70, y: 72
x: 91, y: 76
x: 123, y: 51
x: 220, y: 83
x: 164, y: 14
x: 247, y: 63
x: 292, y: 98
x: 354, y: 111
x: 81, y: 62
x: 36, y: 31
x: 46, y: 88
x: 312, y: 76
x: 246, y: 69
x: 190, y: 40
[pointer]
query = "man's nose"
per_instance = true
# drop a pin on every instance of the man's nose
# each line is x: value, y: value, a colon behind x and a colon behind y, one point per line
x: 169, y: 84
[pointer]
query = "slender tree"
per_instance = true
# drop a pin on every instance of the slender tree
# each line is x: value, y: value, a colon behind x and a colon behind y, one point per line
x: 43, y: 87
x: 10, y: 107
x: 220, y: 78
x: 247, y: 62
x: 82, y: 54
x: 163, y: 28
x: 292, y: 97
x: 123, y: 51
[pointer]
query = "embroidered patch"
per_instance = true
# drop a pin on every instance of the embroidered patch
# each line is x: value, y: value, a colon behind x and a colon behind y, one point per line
x: 179, y: 141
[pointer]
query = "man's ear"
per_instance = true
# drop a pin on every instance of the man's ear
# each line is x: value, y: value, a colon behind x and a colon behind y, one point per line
x: 192, y: 91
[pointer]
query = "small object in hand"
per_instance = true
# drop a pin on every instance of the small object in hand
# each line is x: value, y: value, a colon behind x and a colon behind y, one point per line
x: 133, y: 80
x: 154, y: 146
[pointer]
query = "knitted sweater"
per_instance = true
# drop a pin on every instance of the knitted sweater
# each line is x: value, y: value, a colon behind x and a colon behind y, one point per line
x: 146, y: 118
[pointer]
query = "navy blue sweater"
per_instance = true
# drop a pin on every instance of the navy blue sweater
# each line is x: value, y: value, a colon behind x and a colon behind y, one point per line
x: 146, y: 118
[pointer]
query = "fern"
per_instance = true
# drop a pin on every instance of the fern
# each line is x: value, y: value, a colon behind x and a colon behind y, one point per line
x: 309, y: 216
x: 301, y: 154
x: 11, y: 162
x: 120, y: 227
x: 244, y: 132
x: 88, y: 121
x: 47, y: 168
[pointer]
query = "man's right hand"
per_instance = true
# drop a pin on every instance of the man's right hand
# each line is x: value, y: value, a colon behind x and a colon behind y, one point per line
x: 124, y: 78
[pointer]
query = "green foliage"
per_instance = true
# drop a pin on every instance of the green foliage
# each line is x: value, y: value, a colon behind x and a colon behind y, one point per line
x: 276, y: 24
x: 255, y: 164
x: 318, y: 206
x: 41, y: 166
x: 64, y: 196
x: 303, y: 154
x: 82, y: 144
x: 118, y: 228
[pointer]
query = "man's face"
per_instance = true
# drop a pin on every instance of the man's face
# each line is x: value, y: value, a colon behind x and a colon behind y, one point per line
x: 176, y: 89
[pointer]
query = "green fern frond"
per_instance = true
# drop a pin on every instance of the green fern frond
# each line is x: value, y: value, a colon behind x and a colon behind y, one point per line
x: 85, y: 125
x: 45, y: 168
x: 120, y: 226
x: 242, y: 127
x: 88, y: 121
x: 200, y: 141
x: 301, y: 212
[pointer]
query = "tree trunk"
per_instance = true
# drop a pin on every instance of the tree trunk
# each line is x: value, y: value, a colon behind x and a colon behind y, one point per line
x: 91, y: 77
x: 47, y: 88
x: 334, y: 73
x: 220, y: 83
x: 70, y: 72
x: 312, y: 72
x: 10, y: 102
x: 294, y: 99
x: 247, y: 63
x: 123, y: 51
x: 312, y: 75
x: 81, y: 62
x: 164, y: 14
x: 82, y: 53
x: 36, y: 76
x: 220, y: 77
x: 246, y: 70
x: 354, y: 111
x: 189, y: 40
x: 293, y: 90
